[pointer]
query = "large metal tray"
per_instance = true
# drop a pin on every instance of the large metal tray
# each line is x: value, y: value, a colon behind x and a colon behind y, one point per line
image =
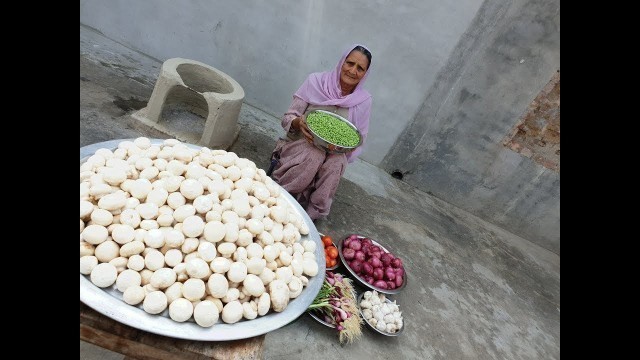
x: 109, y: 301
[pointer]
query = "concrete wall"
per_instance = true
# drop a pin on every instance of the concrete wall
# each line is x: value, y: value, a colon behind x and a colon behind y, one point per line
x: 452, y: 148
x: 446, y: 80
x: 269, y: 47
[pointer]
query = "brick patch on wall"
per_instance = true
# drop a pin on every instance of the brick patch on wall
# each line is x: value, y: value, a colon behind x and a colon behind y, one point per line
x: 537, y: 133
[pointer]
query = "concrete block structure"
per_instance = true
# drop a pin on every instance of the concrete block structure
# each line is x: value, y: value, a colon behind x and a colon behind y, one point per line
x: 203, y: 90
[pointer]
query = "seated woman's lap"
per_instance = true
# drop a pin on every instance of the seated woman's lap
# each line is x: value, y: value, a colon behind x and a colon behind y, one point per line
x: 299, y: 162
x: 302, y: 164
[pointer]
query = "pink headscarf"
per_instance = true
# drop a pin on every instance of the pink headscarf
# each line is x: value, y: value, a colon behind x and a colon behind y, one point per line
x: 323, y: 88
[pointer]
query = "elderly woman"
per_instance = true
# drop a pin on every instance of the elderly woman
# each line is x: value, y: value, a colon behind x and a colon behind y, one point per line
x: 308, y: 173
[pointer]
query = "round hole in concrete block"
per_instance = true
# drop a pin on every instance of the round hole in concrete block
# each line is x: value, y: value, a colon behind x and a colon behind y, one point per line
x: 202, y: 79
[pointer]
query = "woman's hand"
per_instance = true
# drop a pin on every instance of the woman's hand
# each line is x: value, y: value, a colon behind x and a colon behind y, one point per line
x: 300, y: 124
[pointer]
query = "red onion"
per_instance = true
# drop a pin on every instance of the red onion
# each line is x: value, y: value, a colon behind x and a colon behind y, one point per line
x: 356, y: 265
x: 375, y: 262
x: 378, y: 273
x: 386, y: 260
x: 349, y: 254
x: 389, y: 274
x: 367, y: 268
x: 359, y: 255
x: 374, y: 248
x: 355, y: 245
x: 367, y: 241
x: 380, y: 284
x: 399, y: 281
x: 391, y: 285
x: 396, y: 263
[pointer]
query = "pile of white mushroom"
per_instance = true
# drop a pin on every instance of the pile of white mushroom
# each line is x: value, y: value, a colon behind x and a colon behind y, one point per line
x: 381, y: 313
x: 202, y: 232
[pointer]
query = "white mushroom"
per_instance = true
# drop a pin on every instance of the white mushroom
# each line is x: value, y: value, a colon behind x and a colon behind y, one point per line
x: 130, y: 217
x: 176, y: 200
x: 193, y: 226
x: 113, y: 201
x: 86, y: 249
x: 154, y: 238
x: 249, y: 310
x: 149, y: 224
x: 163, y: 278
x: 310, y: 267
x: 120, y: 263
x: 189, y: 245
x: 191, y: 188
x: 173, y: 257
x: 174, y: 292
x: 133, y: 295
x: 140, y: 188
x: 174, y: 238
x: 206, y: 251
x: 128, y: 278
x: 155, y: 302
x: 256, y: 265
x: 104, y: 275
x: 107, y: 251
x: 214, y: 231
x: 180, y: 310
x: 218, y: 285
x: 237, y: 272
x: 232, y: 312
x: 220, y: 265
x: 253, y: 285
x: 184, y: 211
x: 206, y: 313
x: 87, y: 263
x: 95, y: 234
x: 279, y: 293
x: 284, y: 273
x: 165, y: 220
x: 148, y: 210
x: 245, y: 238
x: 154, y: 260
x: 136, y: 262
x: 295, y: 287
x: 264, y: 304
x: 197, y: 268
x: 203, y: 204
x: 123, y: 234
x: 100, y: 217
x: 193, y: 289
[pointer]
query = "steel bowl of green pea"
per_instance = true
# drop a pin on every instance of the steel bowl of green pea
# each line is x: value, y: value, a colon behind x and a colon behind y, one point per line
x: 333, y: 133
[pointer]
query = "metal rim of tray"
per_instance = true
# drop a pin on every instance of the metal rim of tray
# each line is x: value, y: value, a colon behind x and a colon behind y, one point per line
x: 109, y: 301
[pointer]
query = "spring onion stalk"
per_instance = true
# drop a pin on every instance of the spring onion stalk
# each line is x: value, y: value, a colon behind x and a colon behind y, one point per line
x: 337, y: 302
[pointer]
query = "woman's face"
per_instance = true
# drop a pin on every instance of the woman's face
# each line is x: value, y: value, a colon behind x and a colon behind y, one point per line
x: 354, y: 68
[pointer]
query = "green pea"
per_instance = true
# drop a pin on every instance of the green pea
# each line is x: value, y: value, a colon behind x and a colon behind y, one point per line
x: 332, y: 129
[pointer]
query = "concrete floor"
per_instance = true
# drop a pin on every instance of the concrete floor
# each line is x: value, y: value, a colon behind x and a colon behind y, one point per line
x: 475, y: 291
